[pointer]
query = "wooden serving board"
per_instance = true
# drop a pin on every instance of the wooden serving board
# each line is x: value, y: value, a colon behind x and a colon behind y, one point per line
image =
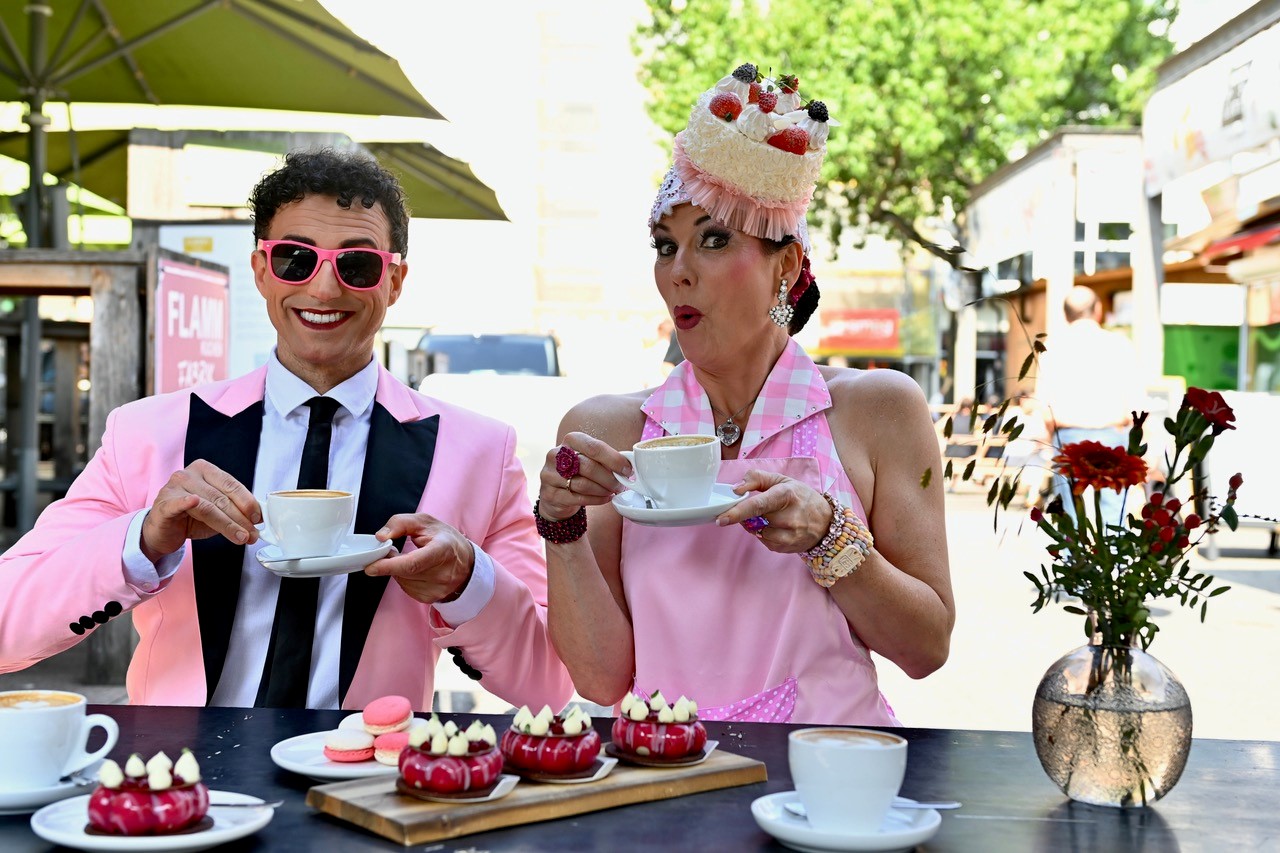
x: 375, y: 805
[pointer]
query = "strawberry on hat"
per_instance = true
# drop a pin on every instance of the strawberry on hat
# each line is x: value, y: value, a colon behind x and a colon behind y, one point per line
x: 725, y: 105
x: 794, y: 139
x: 788, y: 94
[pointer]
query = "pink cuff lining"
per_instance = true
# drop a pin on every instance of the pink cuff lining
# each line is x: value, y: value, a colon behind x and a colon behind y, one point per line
x: 771, y: 220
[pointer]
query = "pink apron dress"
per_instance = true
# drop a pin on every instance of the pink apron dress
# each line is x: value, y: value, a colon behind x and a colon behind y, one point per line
x: 719, y: 618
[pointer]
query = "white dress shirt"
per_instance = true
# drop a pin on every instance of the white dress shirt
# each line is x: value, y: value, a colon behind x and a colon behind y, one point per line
x: 284, y: 430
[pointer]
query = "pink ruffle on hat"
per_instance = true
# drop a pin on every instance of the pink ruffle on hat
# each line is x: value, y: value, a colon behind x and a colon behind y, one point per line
x: 749, y: 157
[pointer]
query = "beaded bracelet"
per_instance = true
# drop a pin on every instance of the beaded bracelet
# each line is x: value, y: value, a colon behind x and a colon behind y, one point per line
x: 842, y: 550
x: 561, y: 531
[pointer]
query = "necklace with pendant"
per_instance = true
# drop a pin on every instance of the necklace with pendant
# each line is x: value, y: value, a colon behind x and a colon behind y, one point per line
x: 729, y: 432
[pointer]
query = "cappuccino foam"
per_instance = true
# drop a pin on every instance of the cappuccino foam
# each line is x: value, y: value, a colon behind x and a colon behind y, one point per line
x: 848, y: 739
x: 676, y: 441
x: 312, y: 493
x: 30, y: 699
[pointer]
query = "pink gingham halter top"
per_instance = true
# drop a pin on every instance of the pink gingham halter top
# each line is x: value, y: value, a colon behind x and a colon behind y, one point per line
x: 717, y: 616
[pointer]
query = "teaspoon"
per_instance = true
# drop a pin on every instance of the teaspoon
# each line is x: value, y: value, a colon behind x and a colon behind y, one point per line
x: 797, y: 808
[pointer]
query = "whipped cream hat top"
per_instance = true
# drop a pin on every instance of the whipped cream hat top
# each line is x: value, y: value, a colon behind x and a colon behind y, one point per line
x: 750, y: 156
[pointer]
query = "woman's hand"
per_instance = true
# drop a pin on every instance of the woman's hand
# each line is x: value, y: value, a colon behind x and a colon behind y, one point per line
x: 580, y: 472
x: 795, y: 516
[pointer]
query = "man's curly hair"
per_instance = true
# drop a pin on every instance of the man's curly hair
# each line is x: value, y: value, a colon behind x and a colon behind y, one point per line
x: 348, y: 175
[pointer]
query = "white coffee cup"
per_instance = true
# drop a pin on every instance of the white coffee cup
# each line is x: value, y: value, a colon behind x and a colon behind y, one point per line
x: 308, y: 522
x: 44, y: 735
x: 846, y: 778
x: 674, y: 471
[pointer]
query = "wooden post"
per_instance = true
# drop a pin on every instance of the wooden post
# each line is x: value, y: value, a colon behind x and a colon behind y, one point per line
x: 115, y: 374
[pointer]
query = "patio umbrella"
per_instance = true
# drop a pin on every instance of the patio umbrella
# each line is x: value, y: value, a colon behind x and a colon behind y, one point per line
x: 436, y: 186
x: 268, y: 54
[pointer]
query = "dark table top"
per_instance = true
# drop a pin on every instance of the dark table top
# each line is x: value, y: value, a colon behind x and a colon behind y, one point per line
x: 1224, y: 801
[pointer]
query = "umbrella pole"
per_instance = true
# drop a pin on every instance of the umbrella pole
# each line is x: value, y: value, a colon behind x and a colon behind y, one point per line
x: 28, y: 454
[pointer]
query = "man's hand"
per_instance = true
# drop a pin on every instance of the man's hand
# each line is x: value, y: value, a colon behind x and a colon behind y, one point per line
x: 199, y: 501
x: 440, y: 565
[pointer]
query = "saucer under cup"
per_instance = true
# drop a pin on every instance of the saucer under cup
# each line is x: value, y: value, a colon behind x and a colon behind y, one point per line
x: 43, y: 735
x: 308, y: 522
x: 846, y: 777
x: 674, y: 471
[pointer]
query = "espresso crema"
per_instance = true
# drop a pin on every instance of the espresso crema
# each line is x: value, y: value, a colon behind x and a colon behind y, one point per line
x: 312, y: 493
x: 676, y: 441
x: 24, y: 699
x: 847, y: 738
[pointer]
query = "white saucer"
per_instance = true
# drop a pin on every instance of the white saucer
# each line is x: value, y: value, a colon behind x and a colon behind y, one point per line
x: 358, y: 551
x: 25, y: 802
x: 631, y: 506
x: 305, y: 754
x: 64, y: 823
x: 902, y: 829
x: 503, y: 787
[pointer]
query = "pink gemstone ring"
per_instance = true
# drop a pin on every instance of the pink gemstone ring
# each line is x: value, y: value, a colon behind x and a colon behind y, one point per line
x: 568, y: 462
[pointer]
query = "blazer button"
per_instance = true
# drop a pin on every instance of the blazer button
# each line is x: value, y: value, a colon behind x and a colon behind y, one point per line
x: 112, y: 609
x: 87, y: 622
x: 77, y: 628
x: 100, y: 617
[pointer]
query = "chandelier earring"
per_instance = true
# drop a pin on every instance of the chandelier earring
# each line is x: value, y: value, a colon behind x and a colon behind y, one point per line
x: 781, y: 313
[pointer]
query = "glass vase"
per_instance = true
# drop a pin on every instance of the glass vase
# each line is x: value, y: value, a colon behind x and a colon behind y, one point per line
x: 1112, y: 726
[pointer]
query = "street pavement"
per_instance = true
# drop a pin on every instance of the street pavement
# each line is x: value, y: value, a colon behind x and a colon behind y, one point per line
x: 1000, y: 648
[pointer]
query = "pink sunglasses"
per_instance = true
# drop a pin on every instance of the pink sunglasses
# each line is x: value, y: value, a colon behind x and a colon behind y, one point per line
x: 297, y: 263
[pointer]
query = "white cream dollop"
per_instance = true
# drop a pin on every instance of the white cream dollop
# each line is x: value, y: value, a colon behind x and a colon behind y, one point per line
x: 134, y: 768
x: 439, y: 743
x: 734, y: 86
x: 160, y: 779
x: 450, y: 728
x: 787, y: 102
x: 657, y: 701
x: 418, y: 735
x: 159, y: 761
x: 681, y: 710
x: 638, y: 711
x: 458, y: 745
x: 187, y: 767
x: 628, y: 699
x: 489, y: 735
x: 665, y: 715
x: 110, y: 775
x: 475, y: 731
x: 755, y: 124
x: 522, y: 718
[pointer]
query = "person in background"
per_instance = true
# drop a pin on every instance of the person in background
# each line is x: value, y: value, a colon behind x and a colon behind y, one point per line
x: 162, y: 521
x: 1089, y: 385
x: 771, y: 612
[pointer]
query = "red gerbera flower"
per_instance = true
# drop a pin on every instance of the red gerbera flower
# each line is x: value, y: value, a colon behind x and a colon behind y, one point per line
x: 1089, y: 463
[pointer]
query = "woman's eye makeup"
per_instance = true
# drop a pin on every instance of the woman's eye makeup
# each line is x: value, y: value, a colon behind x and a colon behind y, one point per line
x: 662, y: 245
x: 715, y: 238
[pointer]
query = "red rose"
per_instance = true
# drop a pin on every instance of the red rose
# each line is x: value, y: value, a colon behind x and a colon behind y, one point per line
x: 1211, y: 405
x: 1236, y: 482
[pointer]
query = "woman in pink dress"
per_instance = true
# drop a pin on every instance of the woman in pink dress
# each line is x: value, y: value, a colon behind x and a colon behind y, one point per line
x: 770, y: 610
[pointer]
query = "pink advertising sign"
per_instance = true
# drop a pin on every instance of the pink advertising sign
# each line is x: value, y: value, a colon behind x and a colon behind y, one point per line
x: 192, y: 326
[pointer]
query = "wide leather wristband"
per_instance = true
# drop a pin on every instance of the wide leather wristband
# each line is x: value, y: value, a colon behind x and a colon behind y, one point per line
x: 565, y: 530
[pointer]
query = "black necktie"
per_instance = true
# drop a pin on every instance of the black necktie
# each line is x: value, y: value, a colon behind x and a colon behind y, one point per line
x: 287, y: 670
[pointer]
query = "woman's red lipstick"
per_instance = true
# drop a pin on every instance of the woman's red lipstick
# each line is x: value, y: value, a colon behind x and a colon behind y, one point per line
x: 685, y: 317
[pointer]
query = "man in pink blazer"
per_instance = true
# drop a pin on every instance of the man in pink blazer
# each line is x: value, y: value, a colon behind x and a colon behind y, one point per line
x: 162, y: 521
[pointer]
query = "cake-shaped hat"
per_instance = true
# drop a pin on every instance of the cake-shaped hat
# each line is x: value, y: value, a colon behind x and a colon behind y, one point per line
x: 750, y: 155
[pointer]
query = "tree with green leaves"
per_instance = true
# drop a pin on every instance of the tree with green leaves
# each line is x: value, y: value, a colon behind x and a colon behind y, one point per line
x: 932, y: 95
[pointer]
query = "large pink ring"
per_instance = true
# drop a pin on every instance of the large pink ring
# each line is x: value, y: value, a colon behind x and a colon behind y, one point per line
x: 568, y: 462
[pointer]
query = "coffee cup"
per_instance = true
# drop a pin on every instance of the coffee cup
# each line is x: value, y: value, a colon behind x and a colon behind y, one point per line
x: 846, y: 778
x: 44, y: 735
x: 674, y: 471
x: 308, y: 522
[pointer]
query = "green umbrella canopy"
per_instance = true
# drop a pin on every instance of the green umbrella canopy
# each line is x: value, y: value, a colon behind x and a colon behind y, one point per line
x: 269, y: 54
x: 436, y: 186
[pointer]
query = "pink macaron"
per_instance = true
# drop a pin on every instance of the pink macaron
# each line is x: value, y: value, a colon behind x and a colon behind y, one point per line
x: 387, y: 748
x: 387, y: 714
x: 348, y: 745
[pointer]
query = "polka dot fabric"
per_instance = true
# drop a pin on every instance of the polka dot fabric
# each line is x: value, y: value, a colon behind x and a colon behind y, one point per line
x: 776, y: 705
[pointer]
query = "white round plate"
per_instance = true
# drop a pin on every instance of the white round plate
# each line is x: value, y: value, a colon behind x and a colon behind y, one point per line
x: 902, y: 829
x: 358, y: 551
x: 64, y: 823
x: 631, y: 506
x: 503, y: 787
x: 305, y: 754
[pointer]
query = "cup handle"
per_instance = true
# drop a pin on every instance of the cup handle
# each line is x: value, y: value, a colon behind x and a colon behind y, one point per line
x: 82, y: 759
x: 634, y: 485
x: 264, y: 529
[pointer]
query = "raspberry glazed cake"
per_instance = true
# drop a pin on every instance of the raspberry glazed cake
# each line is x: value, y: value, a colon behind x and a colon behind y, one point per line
x: 156, y: 798
x: 657, y: 732
x: 549, y: 745
x: 441, y: 760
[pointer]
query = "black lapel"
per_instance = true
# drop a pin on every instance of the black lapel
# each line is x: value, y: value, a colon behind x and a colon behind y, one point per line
x: 397, y: 462
x: 231, y: 443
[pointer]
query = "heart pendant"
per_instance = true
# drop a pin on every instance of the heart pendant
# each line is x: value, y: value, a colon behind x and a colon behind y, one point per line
x: 729, y: 433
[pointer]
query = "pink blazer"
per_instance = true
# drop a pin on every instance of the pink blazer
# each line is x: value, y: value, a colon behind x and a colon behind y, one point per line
x: 69, y: 564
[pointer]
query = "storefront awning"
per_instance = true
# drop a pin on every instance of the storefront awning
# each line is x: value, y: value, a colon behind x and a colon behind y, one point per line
x: 1244, y: 241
